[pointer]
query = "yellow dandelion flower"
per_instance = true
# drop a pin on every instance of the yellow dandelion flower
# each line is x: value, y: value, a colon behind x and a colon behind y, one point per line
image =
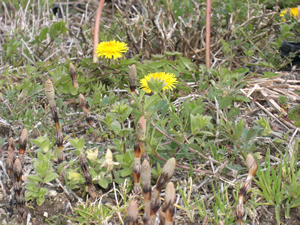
x: 111, y: 49
x: 293, y: 12
x: 169, y: 79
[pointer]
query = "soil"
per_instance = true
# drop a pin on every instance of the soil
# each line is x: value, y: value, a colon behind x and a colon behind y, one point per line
x: 269, y: 218
x: 53, y: 208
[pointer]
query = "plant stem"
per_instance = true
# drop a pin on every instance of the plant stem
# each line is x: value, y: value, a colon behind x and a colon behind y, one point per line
x: 97, y: 28
x: 5, y: 103
x: 207, y: 31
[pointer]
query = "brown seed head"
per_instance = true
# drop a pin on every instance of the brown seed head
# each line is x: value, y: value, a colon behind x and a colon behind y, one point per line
x: 133, y: 211
x: 169, y: 167
x: 141, y: 129
x: 251, y: 164
x: 72, y: 69
x: 9, y: 166
x: 17, y: 168
x: 170, y: 193
x: 84, y: 105
x: 11, y: 143
x: 24, y: 137
x: 50, y: 94
x: 11, y: 153
x: 132, y: 78
x: 49, y: 90
x: 146, y: 171
x: 73, y: 75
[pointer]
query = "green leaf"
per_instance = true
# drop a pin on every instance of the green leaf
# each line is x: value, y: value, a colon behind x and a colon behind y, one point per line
x: 126, y: 172
x: 225, y: 102
x: 116, y: 127
x: 119, y: 180
x: 103, y: 183
x: 240, y: 98
x: 40, y: 200
x: 263, y: 123
x: 238, y: 129
x: 31, y: 187
x: 34, y: 178
x: 43, y: 191
x: 294, y: 113
x: 269, y: 74
x: 161, y: 104
x: 50, y: 177
x: 77, y: 143
x: 151, y: 101
x: 187, y: 63
x: 197, y: 110
x: 155, y: 57
x: 30, y: 195
x: 163, y: 111
x: 198, y: 122
x: 233, y: 112
x: 172, y: 53
x: 76, y: 176
x: 126, y: 62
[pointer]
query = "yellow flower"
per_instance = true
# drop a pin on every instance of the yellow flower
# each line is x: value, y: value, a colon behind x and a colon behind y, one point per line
x: 169, y: 79
x: 293, y: 12
x: 111, y: 49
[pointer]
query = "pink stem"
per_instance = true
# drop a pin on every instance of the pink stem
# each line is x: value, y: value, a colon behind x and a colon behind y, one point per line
x: 97, y: 28
x: 5, y: 103
x: 207, y: 46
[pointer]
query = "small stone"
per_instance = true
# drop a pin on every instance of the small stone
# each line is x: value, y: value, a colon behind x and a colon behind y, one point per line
x: 46, y: 214
x: 2, y: 211
x: 52, y: 193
